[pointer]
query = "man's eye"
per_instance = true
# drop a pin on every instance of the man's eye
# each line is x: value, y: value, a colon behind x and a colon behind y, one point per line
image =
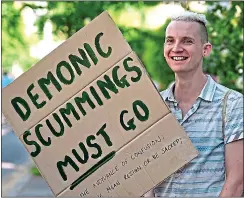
x: 169, y: 41
x: 188, y: 41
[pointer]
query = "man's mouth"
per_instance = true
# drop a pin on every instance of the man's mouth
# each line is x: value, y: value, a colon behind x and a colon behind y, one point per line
x: 178, y: 58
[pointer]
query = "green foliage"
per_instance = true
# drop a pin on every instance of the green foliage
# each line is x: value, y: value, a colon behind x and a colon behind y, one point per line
x: 69, y: 17
x: 15, y: 46
x: 225, y: 33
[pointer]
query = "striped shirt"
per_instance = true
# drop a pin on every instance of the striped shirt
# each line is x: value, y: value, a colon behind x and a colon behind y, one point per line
x: 204, y: 175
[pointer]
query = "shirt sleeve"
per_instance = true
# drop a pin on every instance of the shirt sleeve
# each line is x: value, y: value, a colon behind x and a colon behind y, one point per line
x: 234, y: 118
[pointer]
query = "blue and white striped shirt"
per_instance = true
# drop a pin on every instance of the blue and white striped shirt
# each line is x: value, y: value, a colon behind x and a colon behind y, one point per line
x: 205, y: 175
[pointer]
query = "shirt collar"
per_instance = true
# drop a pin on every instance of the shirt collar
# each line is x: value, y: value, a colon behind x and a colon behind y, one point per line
x: 169, y: 95
x: 207, y: 92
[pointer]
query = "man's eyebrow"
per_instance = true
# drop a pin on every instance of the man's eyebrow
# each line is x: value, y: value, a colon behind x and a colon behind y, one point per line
x: 187, y: 37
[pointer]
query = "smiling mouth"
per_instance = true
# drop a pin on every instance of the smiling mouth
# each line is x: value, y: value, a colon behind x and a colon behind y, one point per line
x: 179, y: 58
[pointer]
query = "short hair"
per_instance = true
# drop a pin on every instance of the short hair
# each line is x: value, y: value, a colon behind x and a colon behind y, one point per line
x: 194, y: 17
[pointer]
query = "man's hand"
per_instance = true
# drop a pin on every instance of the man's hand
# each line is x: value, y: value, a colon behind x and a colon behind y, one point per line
x: 233, y: 186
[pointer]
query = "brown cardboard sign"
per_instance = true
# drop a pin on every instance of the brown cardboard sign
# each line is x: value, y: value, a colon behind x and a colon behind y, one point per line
x: 94, y: 123
x: 116, y: 116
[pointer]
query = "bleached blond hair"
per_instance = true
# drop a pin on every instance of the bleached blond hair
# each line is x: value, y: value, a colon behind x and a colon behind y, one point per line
x: 194, y: 17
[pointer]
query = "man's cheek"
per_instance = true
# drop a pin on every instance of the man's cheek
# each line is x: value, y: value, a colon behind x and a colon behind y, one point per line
x: 165, y: 54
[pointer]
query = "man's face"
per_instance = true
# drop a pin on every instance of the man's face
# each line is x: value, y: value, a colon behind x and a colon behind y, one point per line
x: 183, y: 48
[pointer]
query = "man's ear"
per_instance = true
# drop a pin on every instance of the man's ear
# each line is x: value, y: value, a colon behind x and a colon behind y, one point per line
x: 207, y: 48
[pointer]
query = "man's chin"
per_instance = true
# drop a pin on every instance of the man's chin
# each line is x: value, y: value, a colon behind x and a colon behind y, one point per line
x: 178, y: 68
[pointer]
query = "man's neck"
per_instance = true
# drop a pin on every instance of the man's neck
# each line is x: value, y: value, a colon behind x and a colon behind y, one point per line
x: 188, y: 86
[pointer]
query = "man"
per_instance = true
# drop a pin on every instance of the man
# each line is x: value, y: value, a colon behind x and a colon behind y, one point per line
x: 197, y: 102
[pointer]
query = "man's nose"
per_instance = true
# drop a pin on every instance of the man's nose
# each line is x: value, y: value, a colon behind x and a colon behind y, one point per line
x: 177, y: 47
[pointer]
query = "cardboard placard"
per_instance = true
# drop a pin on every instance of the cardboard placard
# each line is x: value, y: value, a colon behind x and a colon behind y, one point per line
x: 97, y: 125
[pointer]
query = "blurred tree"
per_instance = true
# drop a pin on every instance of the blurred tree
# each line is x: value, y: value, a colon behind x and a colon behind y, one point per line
x: 225, y: 33
x: 15, y: 46
x: 68, y: 17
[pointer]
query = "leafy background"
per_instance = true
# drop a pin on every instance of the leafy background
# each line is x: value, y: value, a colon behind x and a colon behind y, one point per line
x: 225, y: 33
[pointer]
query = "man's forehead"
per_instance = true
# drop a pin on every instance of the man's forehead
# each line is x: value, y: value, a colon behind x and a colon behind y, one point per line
x: 183, y: 28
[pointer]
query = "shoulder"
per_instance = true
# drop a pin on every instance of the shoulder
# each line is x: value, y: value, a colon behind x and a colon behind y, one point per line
x: 233, y: 95
x: 234, y: 103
